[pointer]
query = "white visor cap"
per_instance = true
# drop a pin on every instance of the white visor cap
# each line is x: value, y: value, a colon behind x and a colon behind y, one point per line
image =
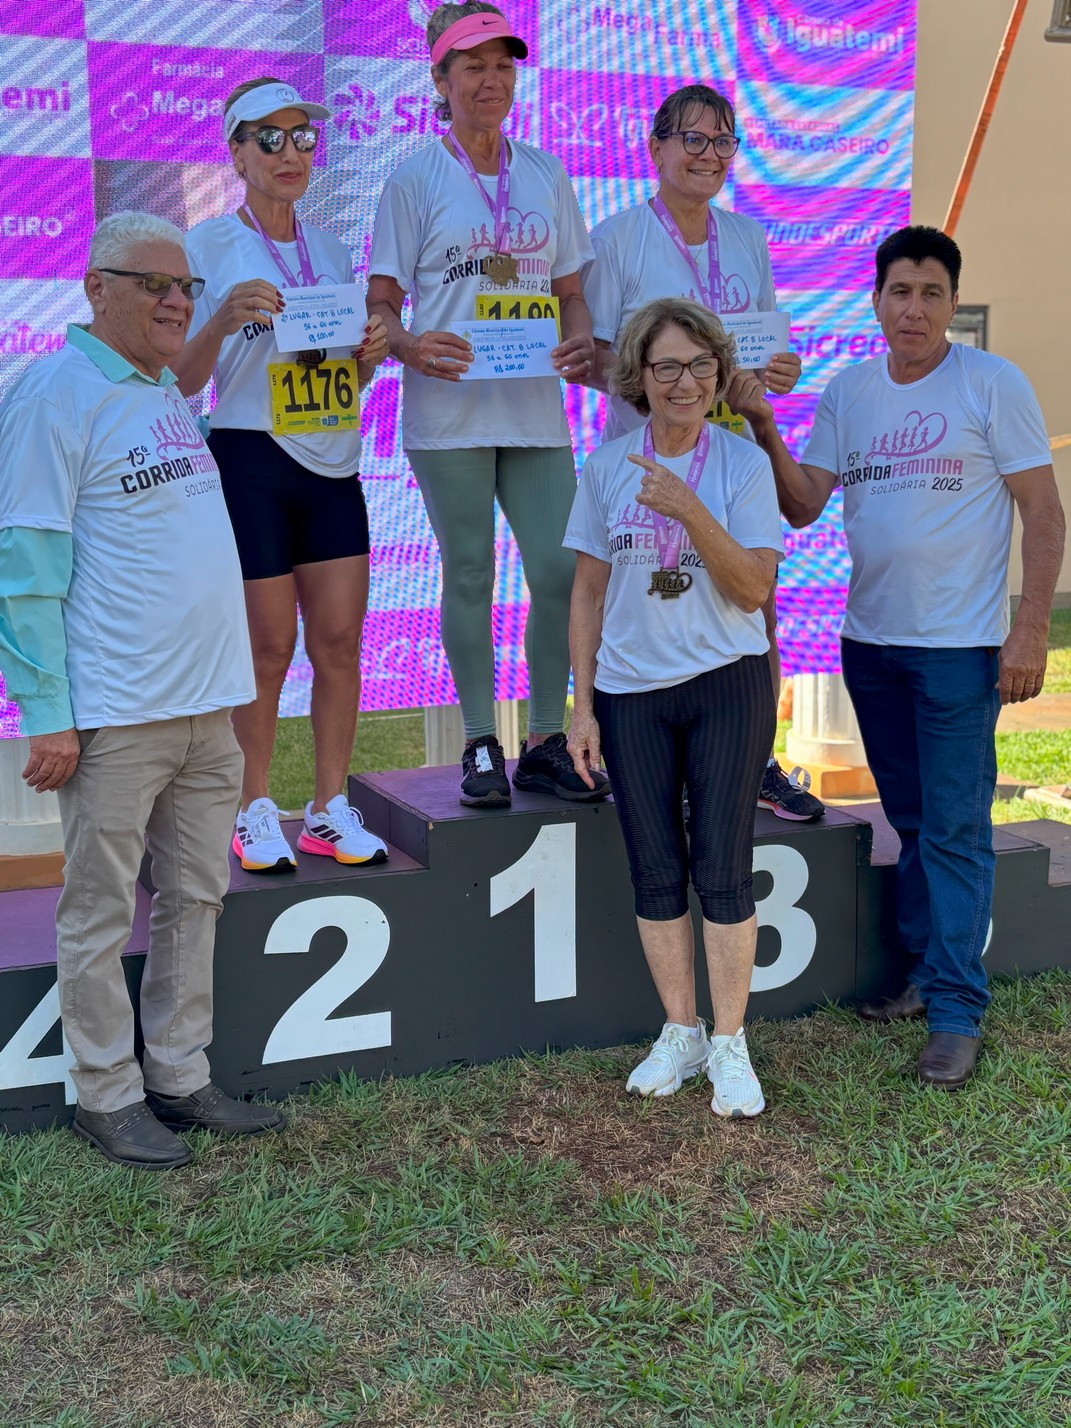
x: 266, y: 99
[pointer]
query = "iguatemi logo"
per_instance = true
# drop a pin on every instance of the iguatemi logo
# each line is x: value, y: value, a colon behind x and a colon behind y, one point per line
x: 804, y: 35
x: 357, y: 114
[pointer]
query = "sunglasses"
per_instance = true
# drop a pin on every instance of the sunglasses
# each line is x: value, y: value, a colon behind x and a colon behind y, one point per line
x: 272, y: 140
x: 160, y: 284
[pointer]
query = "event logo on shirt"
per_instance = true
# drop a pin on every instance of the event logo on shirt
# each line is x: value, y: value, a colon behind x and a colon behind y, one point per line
x: 178, y: 431
x: 901, y: 452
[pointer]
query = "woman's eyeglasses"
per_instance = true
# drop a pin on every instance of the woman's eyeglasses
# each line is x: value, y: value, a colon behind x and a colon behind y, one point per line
x: 696, y: 143
x: 160, y: 284
x: 272, y: 140
x: 672, y: 371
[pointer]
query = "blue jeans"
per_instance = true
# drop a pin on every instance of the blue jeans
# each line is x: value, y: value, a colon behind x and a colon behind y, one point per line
x: 927, y: 717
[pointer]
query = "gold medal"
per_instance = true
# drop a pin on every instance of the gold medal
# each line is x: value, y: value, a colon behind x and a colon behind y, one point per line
x: 670, y: 584
x: 501, y: 268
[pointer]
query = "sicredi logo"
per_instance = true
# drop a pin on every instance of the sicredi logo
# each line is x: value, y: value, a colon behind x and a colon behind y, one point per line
x: 357, y: 115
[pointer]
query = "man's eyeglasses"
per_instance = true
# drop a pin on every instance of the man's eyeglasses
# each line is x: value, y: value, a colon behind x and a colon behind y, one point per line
x: 696, y: 143
x: 672, y: 371
x: 272, y: 140
x: 158, y: 285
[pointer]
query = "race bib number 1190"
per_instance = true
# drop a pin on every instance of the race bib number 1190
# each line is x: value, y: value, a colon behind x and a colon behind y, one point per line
x: 304, y: 399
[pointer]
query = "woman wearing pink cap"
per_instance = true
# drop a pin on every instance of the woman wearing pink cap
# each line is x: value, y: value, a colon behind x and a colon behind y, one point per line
x: 474, y: 215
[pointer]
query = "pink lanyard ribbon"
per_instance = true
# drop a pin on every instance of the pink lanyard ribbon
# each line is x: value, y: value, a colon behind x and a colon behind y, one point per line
x: 710, y: 294
x: 308, y: 277
x: 499, y: 210
x: 669, y: 534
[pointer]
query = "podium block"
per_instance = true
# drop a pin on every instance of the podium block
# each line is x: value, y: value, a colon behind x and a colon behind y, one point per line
x: 490, y: 932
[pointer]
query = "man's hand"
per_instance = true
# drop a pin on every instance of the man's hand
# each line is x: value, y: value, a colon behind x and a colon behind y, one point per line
x: 782, y: 372
x: 53, y: 758
x: 1022, y: 663
x: 747, y: 396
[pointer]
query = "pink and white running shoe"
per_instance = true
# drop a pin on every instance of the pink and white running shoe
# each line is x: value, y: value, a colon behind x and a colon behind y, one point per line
x: 338, y: 832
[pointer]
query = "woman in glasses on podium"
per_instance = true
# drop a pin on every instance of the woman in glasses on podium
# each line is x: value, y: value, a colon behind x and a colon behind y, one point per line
x: 286, y: 435
x: 683, y: 242
x: 476, y: 225
x: 677, y: 535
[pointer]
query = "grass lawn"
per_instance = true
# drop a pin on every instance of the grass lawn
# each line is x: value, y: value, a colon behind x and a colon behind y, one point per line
x: 1058, y: 673
x: 523, y: 1244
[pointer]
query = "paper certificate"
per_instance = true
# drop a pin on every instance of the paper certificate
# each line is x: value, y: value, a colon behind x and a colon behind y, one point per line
x: 331, y: 316
x: 509, y: 349
x: 758, y: 336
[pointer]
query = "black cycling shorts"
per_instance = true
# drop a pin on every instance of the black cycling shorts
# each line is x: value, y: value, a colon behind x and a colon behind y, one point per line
x: 282, y: 513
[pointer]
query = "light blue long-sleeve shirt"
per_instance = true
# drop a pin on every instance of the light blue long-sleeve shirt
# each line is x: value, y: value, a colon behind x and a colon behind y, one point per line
x: 35, y: 571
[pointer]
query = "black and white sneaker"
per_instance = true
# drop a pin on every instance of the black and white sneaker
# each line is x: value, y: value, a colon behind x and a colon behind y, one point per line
x: 786, y: 796
x: 548, y: 768
x: 483, y: 774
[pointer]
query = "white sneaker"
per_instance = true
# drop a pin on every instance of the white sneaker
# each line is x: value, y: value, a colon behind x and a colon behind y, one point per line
x: 736, y: 1087
x: 673, y: 1059
x: 339, y: 832
x: 258, y: 840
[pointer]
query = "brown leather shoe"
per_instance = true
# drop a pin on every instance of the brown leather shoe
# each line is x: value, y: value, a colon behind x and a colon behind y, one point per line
x: 907, y: 1004
x: 210, y: 1109
x: 132, y: 1136
x: 948, y: 1060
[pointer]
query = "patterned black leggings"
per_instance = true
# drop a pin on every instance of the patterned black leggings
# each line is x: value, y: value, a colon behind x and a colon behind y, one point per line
x: 712, y: 735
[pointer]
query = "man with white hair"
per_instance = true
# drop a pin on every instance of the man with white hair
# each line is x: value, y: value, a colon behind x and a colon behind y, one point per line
x: 123, y: 641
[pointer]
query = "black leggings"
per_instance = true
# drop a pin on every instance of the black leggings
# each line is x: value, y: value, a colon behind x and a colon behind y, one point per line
x: 712, y: 735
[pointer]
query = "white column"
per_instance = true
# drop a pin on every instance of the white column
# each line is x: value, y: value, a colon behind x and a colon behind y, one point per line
x: 29, y: 821
x: 824, y: 729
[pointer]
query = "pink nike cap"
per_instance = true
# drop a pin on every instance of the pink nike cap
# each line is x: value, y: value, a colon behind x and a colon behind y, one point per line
x: 472, y: 30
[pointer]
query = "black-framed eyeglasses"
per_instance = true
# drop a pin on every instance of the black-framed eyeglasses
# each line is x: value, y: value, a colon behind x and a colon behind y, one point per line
x: 158, y: 285
x: 671, y: 370
x: 696, y: 143
x: 272, y: 140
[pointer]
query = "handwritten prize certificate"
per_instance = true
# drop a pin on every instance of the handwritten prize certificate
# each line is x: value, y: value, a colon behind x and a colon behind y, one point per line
x: 509, y: 349
x: 758, y: 335
x: 330, y: 316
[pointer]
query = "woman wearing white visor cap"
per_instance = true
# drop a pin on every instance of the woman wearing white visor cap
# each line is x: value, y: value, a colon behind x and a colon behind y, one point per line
x: 286, y: 434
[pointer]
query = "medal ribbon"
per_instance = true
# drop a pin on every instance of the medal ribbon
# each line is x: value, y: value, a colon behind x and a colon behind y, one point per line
x: 669, y: 534
x: 308, y: 276
x: 710, y: 294
x: 498, y: 210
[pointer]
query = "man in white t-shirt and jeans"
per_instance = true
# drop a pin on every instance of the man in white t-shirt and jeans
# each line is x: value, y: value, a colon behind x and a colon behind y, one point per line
x: 123, y: 640
x: 934, y: 445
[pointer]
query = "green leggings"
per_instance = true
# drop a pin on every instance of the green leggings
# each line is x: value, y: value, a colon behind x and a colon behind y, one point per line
x: 535, y: 487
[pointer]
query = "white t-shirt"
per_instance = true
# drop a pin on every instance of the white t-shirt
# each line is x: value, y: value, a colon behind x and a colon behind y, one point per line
x: 636, y: 261
x: 155, y: 613
x: 927, y: 514
x: 648, y: 642
x: 224, y: 251
x: 432, y: 230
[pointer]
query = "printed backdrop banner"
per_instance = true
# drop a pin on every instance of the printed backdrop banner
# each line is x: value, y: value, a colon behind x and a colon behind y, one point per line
x: 109, y: 104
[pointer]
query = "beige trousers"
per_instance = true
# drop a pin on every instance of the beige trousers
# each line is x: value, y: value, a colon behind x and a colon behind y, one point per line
x: 175, y: 786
